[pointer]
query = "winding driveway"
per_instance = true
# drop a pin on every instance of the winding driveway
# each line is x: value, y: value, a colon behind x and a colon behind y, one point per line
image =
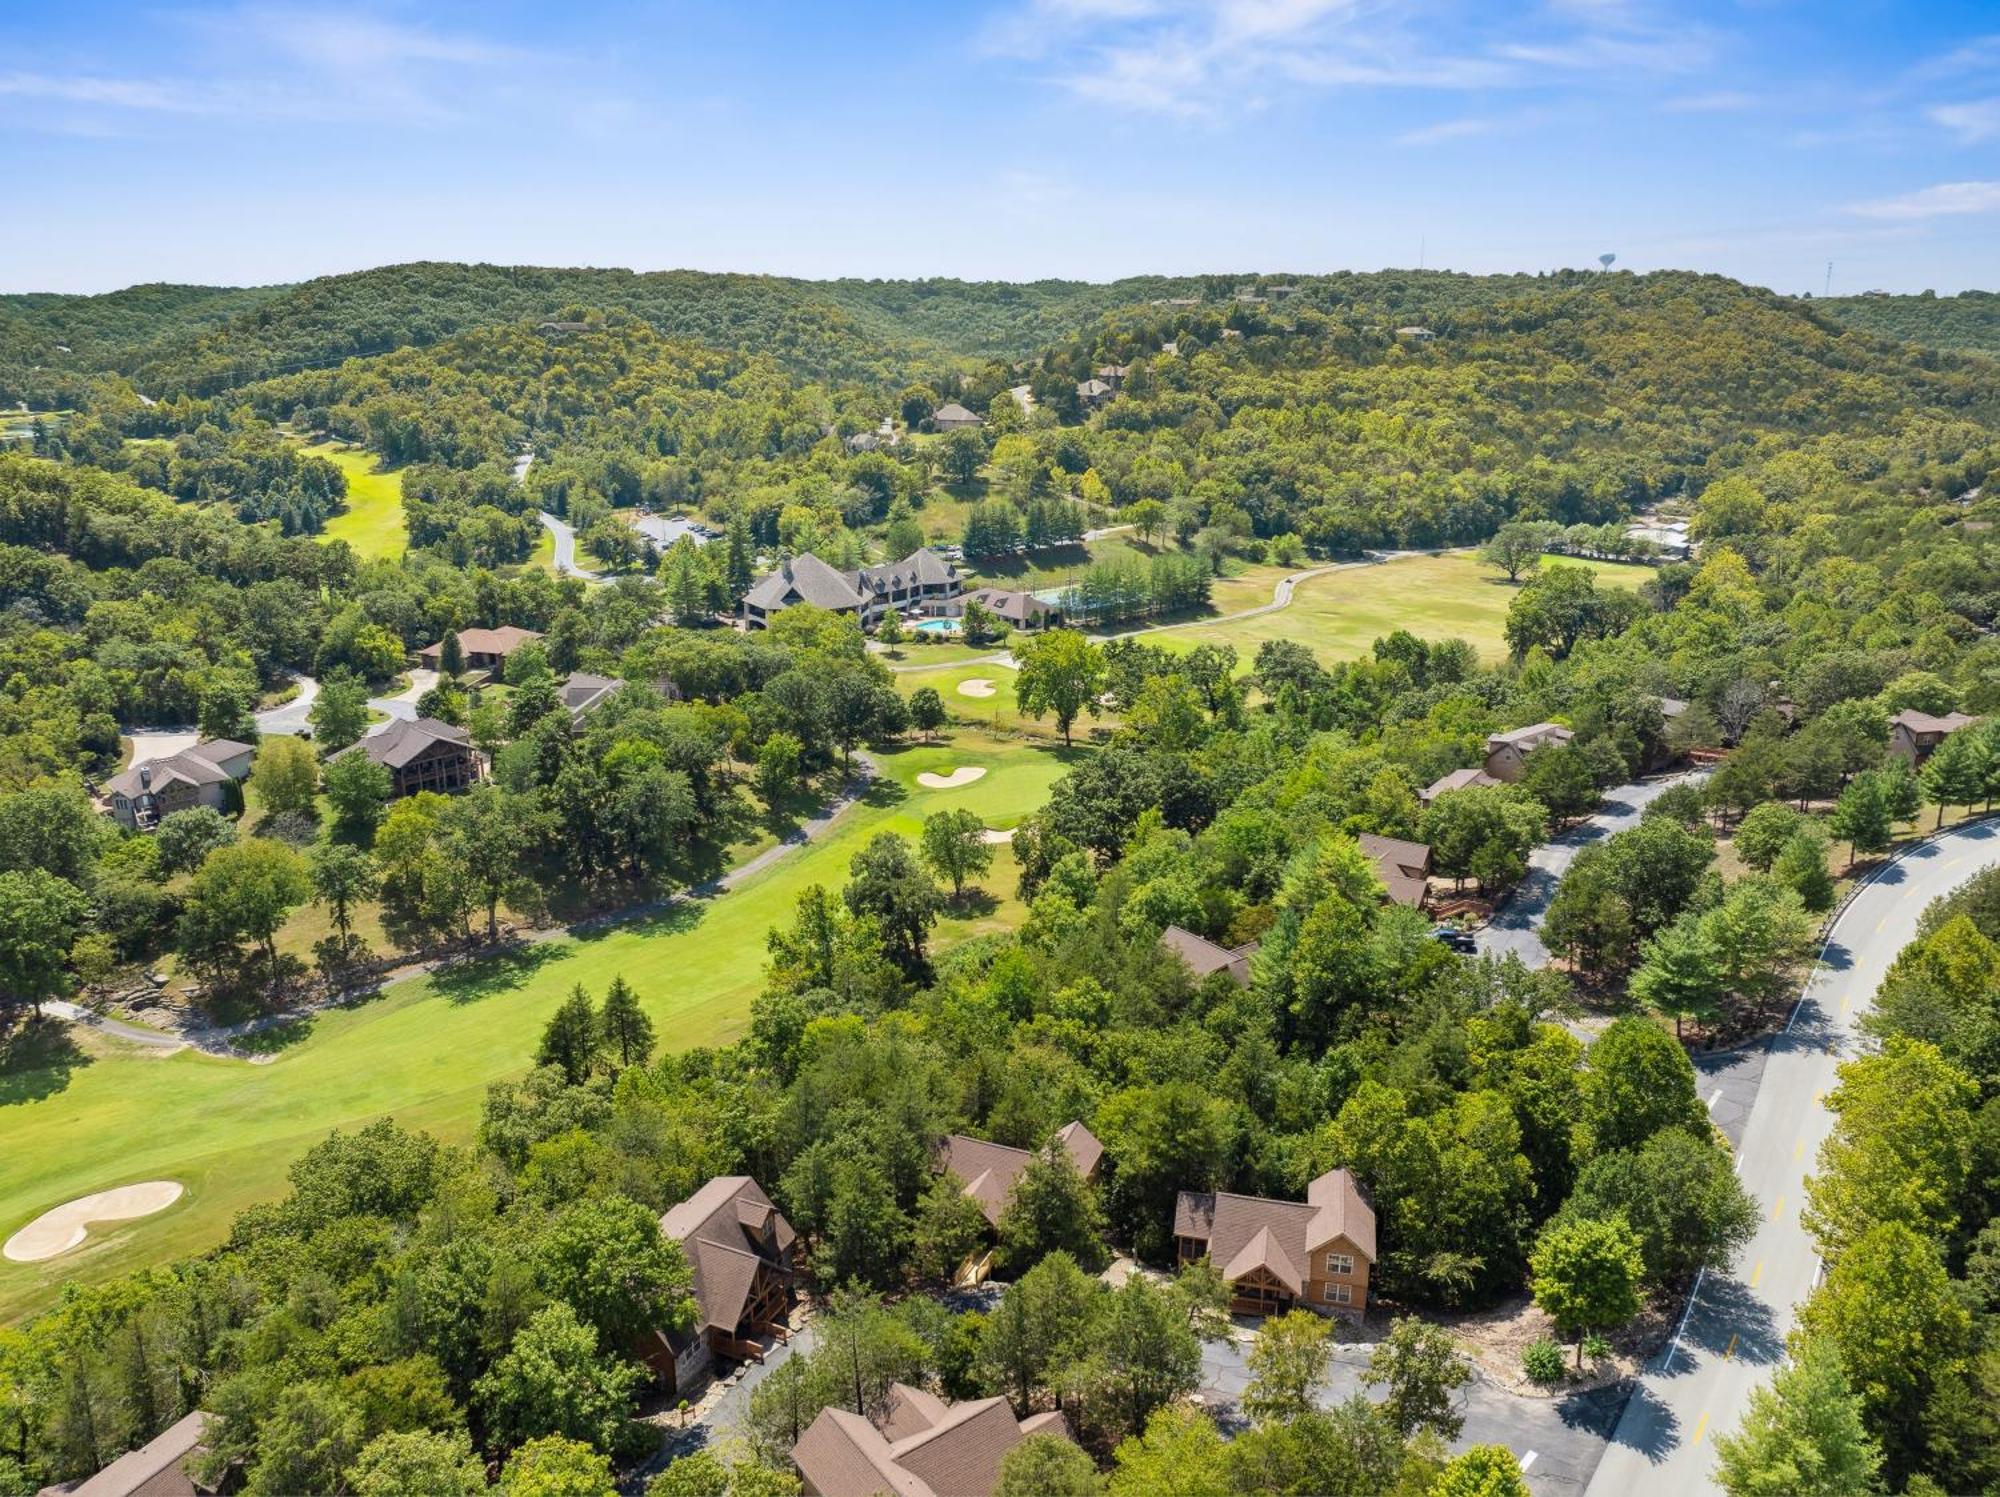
x: 1732, y: 1334
x: 1517, y: 926
x: 565, y: 536
x: 294, y: 716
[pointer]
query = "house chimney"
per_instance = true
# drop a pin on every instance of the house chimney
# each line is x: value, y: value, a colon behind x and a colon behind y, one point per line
x: 145, y: 777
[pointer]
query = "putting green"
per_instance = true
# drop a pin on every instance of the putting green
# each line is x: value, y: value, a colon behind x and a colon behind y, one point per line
x: 426, y: 1050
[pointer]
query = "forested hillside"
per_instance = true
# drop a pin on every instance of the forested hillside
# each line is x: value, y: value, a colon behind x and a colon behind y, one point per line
x: 992, y: 967
x: 1968, y: 322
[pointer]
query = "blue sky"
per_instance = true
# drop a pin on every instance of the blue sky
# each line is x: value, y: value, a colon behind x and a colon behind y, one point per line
x: 250, y: 142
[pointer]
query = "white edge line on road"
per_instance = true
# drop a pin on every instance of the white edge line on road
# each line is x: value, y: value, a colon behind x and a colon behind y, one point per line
x: 1713, y: 1098
x: 1527, y: 1461
x: 1693, y: 1295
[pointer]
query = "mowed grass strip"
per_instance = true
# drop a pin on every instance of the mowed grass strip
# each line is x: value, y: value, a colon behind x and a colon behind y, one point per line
x: 373, y: 521
x: 425, y: 1051
x: 1340, y: 614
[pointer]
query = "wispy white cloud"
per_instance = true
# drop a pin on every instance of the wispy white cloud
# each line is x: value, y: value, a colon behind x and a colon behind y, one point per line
x: 1726, y: 101
x: 1445, y: 130
x: 1944, y: 200
x: 1972, y: 121
x: 115, y: 93
x: 1200, y: 57
x: 263, y: 62
x: 1979, y: 54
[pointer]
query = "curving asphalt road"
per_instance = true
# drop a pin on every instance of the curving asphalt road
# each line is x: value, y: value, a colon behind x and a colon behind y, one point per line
x: 565, y: 548
x: 293, y: 716
x: 1517, y: 926
x: 1733, y: 1332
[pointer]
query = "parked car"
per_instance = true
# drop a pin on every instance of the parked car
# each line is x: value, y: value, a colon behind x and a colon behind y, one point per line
x: 1456, y: 937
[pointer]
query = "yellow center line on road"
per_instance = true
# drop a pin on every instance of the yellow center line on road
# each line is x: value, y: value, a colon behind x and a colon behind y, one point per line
x: 1701, y: 1426
x: 1754, y: 1277
x: 1729, y: 1350
x: 1777, y: 1208
x: 1799, y: 1148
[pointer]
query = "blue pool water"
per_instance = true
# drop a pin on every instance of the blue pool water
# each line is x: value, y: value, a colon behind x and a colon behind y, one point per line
x: 938, y: 626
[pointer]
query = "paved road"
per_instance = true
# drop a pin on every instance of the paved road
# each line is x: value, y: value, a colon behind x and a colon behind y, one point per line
x: 77, y: 1014
x: 1558, y: 1441
x: 291, y: 717
x: 1517, y: 926
x: 565, y: 548
x: 404, y: 703
x: 1734, y: 1329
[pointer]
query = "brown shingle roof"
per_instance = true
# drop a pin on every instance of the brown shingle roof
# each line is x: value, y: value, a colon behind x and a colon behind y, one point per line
x: 405, y: 740
x: 1914, y: 722
x: 155, y: 1469
x: 1458, y: 779
x: 720, y: 1228
x: 990, y: 1170
x: 200, y: 765
x: 803, y: 579
x: 952, y: 412
x: 1203, y: 956
x: 503, y: 641
x: 1402, y: 866
x: 1245, y: 1232
x: 926, y: 1448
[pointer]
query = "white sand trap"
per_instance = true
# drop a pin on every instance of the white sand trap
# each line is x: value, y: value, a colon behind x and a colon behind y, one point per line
x: 965, y: 774
x: 978, y: 686
x: 65, y: 1227
x: 993, y: 836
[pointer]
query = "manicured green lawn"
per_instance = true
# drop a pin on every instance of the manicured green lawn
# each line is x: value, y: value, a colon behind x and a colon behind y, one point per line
x: 373, y: 521
x: 1339, y: 615
x: 426, y: 1050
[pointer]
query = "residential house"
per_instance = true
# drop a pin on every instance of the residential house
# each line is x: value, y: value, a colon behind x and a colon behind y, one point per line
x: 1914, y: 735
x: 483, y: 649
x: 165, y: 1466
x: 923, y: 580
x: 584, y: 693
x: 954, y: 417
x: 1403, y: 867
x: 1507, y: 753
x: 198, y: 776
x: 990, y: 1171
x: 1113, y: 374
x: 1416, y: 334
x: 1458, y: 779
x: 1203, y: 957
x: 1024, y: 397
x: 921, y: 1447
x: 1092, y: 393
x: 802, y: 579
x: 740, y: 1248
x: 1018, y: 610
x: 1277, y: 1255
x: 421, y: 754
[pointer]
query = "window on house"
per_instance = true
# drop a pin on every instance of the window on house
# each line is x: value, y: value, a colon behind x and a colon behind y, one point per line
x: 1340, y: 1263
x: 1339, y: 1294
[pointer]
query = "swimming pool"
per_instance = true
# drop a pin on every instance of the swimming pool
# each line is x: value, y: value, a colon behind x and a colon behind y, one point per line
x: 938, y: 626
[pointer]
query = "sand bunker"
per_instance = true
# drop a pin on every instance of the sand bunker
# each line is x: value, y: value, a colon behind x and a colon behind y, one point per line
x: 965, y: 774
x: 993, y: 836
x: 978, y: 686
x: 66, y: 1227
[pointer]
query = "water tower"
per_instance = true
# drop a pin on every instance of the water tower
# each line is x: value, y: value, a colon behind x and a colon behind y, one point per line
x: 1605, y: 260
